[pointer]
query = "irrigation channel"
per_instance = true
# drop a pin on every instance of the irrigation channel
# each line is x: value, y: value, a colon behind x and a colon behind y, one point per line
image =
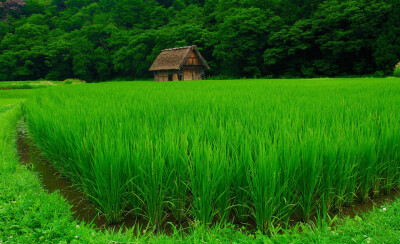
x: 83, y: 210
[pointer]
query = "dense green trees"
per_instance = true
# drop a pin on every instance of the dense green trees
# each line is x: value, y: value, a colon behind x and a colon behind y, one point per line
x: 106, y: 39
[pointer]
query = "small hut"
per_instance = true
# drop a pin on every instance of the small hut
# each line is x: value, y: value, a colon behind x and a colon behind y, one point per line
x: 181, y: 63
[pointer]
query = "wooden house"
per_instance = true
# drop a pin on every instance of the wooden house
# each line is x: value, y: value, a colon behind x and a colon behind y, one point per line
x: 181, y: 63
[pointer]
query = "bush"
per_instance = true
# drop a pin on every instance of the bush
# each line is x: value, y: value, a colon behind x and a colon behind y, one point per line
x: 397, y: 70
x: 73, y: 81
x: 379, y: 74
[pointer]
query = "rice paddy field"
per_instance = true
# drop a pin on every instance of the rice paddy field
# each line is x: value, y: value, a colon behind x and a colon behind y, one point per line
x: 215, y: 152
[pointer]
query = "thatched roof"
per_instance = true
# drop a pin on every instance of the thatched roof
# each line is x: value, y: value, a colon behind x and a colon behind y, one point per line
x: 175, y: 58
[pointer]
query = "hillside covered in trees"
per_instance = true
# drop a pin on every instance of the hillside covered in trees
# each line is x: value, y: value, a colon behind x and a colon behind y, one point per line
x: 98, y: 40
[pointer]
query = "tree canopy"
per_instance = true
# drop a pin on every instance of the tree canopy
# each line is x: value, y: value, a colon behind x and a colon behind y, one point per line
x: 99, y: 40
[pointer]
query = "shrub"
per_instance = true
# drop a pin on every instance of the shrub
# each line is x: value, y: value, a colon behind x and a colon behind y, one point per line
x: 73, y: 81
x: 397, y: 70
x: 379, y: 74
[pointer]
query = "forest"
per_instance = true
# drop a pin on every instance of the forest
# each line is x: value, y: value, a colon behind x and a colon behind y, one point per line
x: 96, y: 40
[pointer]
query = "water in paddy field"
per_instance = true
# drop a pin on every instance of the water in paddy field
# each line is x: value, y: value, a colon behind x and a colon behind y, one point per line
x: 83, y: 210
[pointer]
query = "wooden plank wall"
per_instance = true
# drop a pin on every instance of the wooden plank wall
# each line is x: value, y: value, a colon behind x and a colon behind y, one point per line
x: 192, y: 59
x: 163, y: 76
x: 192, y: 73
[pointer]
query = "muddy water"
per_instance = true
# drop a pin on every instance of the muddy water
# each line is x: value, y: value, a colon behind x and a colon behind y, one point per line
x: 377, y: 202
x: 83, y: 210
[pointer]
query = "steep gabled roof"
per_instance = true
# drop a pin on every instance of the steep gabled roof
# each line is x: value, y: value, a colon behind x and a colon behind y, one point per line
x: 175, y: 58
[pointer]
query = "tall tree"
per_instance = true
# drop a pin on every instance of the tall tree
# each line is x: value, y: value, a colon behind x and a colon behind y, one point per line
x: 345, y: 32
x: 242, y: 38
x: 103, y: 39
x: 387, y: 46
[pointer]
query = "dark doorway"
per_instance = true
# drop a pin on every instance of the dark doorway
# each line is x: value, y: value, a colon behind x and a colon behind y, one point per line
x: 180, y: 77
x: 169, y: 77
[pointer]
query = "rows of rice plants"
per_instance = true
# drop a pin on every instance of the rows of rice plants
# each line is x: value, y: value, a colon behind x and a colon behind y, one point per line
x: 223, y: 150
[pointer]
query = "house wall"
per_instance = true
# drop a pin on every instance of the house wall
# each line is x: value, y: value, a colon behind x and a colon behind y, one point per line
x: 193, y: 69
x: 192, y: 72
x: 189, y: 73
x: 160, y: 76
x: 192, y: 59
x: 163, y: 75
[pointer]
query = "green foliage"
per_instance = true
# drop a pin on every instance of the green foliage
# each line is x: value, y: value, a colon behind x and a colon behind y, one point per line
x: 344, y: 29
x: 106, y: 39
x: 397, y: 70
x: 205, y: 150
x: 387, y: 50
x: 242, y: 39
x: 73, y: 81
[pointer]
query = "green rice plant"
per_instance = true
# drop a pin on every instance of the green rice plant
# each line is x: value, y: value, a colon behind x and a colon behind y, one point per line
x: 203, y: 183
x: 389, y: 155
x: 178, y: 166
x: 266, y: 188
x: 331, y: 168
x: 97, y: 166
x: 367, y: 160
x: 109, y: 184
x: 240, y: 188
x: 338, y: 178
x: 288, y: 158
x: 310, y: 173
x: 345, y: 177
x: 132, y: 196
x: 154, y: 181
x: 220, y: 151
x: 223, y: 170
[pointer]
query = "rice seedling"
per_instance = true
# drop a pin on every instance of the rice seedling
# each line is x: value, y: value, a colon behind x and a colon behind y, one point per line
x: 240, y: 189
x: 178, y: 166
x: 204, y: 182
x: 153, y: 181
x: 222, y: 151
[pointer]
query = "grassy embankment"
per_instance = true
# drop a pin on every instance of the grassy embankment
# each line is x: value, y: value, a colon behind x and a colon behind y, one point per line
x: 28, y: 214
